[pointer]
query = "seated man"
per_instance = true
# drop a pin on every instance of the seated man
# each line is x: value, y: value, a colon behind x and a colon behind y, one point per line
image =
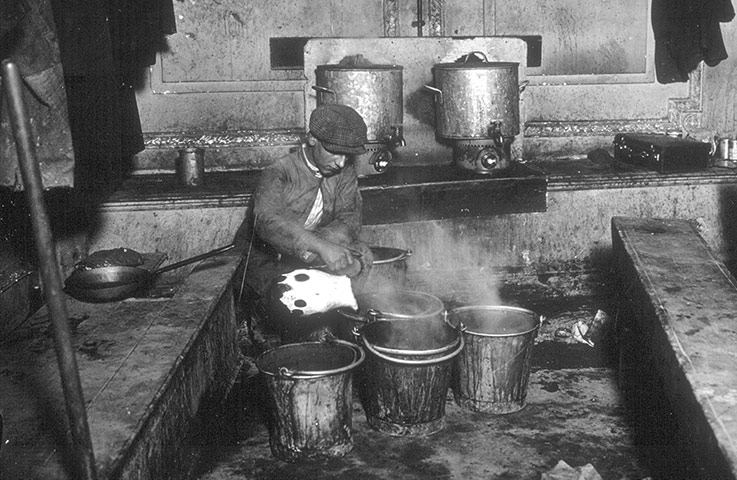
x: 307, y: 207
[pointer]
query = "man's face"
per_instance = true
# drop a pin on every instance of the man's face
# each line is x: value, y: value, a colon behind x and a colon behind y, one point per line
x: 327, y: 162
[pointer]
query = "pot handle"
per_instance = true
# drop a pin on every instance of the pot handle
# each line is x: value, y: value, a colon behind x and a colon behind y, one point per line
x: 285, y: 372
x: 370, y: 316
x: 461, y: 327
x: 353, y: 317
x: 477, y: 53
x: 437, y: 91
x: 373, y: 315
x: 356, y: 332
x: 318, y: 88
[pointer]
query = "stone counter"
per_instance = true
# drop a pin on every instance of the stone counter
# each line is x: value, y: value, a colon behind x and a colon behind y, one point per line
x: 677, y: 332
x: 146, y: 367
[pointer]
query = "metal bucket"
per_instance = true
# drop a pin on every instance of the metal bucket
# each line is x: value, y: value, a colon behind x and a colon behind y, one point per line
x: 470, y: 97
x: 493, y: 370
x: 374, y: 91
x: 391, y: 305
x: 407, y: 374
x: 310, y: 386
x: 389, y: 270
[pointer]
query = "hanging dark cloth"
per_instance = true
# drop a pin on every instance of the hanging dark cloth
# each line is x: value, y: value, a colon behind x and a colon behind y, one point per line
x: 105, y: 48
x: 28, y: 38
x: 137, y: 29
x: 686, y: 33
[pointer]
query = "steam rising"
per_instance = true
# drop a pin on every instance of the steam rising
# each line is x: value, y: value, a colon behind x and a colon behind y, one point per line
x: 461, y: 275
x: 462, y: 272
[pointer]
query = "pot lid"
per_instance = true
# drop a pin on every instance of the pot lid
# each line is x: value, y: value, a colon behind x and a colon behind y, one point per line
x: 359, y: 67
x: 477, y: 65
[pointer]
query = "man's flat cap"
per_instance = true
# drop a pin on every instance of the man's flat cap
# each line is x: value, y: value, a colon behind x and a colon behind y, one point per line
x: 340, y: 128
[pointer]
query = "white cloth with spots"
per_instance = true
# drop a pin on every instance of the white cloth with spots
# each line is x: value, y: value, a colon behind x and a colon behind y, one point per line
x: 308, y: 292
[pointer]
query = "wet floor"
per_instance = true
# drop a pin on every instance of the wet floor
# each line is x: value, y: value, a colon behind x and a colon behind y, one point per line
x: 575, y: 412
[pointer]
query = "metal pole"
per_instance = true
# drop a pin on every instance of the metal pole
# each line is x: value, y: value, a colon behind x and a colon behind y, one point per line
x: 50, y: 274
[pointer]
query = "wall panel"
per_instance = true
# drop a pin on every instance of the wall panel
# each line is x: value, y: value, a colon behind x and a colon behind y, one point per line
x: 596, y: 77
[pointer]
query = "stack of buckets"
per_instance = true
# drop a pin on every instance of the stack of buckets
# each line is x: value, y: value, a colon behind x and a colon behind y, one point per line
x: 413, y: 355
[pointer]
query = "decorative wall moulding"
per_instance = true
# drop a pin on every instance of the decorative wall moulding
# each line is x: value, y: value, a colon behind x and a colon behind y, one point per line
x: 160, y: 87
x: 683, y: 114
x: 391, y: 18
x: 269, y: 138
x: 595, y: 128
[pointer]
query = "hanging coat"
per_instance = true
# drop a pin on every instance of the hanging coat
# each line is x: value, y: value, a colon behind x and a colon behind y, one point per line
x: 686, y: 33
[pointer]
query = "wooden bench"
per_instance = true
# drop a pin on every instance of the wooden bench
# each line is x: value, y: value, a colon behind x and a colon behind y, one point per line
x: 681, y: 325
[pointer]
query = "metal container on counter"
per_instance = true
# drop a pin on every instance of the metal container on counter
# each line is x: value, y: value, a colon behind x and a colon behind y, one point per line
x: 723, y: 149
x: 374, y: 91
x: 474, y: 95
x: 190, y: 167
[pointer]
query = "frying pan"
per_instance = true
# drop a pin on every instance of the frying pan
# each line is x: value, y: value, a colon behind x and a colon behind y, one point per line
x: 109, y: 284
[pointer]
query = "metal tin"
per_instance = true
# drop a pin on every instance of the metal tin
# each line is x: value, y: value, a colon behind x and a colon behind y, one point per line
x: 374, y: 91
x: 473, y: 96
x: 661, y: 153
x: 723, y: 149
x: 190, y: 167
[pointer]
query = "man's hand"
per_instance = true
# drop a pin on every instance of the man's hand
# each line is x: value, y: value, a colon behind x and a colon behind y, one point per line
x: 336, y: 257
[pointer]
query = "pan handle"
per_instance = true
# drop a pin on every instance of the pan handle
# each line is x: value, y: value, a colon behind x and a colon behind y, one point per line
x: 209, y: 254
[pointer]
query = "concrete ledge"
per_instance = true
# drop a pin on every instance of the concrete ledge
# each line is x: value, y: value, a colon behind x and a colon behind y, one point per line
x: 528, y: 182
x: 682, y: 326
x: 401, y: 194
x: 410, y: 194
x: 146, y: 366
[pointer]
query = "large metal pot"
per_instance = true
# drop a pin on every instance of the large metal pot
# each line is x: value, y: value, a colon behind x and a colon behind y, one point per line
x: 374, y: 91
x: 395, y: 305
x: 474, y: 98
x: 418, y: 308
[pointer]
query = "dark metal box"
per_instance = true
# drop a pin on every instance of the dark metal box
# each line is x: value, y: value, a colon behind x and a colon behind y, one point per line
x: 661, y: 153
